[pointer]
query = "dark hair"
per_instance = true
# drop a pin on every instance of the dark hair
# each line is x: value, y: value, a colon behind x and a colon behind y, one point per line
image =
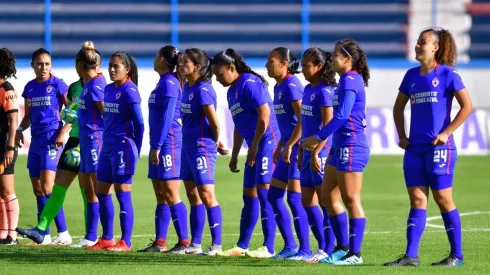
x: 288, y: 56
x: 350, y: 47
x: 231, y: 57
x: 88, y: 55
x: 7, y: 64
x: 130, y: 62
x: 38, y: 52
x: 447, y: 52
x: 199, y: 57
x: 318, y: 56
x: 172, y: 57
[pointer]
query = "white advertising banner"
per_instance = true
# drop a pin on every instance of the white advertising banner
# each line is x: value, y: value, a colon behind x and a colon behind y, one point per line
x: 472, y: 138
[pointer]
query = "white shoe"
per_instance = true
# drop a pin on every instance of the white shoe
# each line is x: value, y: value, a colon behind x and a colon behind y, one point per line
x: 47, y: 241
x: 62, y: 238
x: 193, y: 249
x: 212, y: 251
x: 83, y: 243
x: 319, y: 255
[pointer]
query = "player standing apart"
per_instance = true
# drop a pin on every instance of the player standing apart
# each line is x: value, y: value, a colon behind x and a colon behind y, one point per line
x: 430, y: 153
x: 350, y: 152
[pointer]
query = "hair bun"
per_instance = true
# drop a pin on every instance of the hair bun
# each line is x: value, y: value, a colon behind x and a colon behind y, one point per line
x: 88, y: 46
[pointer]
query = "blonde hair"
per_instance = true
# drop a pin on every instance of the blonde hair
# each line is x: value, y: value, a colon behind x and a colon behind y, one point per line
x: 88, y: 55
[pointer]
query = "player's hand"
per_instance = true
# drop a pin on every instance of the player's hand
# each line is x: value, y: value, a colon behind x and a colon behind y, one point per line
x: 233, y: 165
x: 310, y: 143
x: 315, y: 163
x: 60, y: 141
x: 300, y: 158
x: 9, y: 157
x: 440, y: 139
x: 277, y: 154
x: 286, y: 154
x: 154, y: 155
x: 221, y: 149
x: 19, y: 138
x: 251, y: 155
x: 403, y: 143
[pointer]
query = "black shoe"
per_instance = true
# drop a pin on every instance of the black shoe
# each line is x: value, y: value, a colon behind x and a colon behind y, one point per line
x: 404, y: 261
x: 155, y: 247
x: 9, y: 241
x: 450, y: 260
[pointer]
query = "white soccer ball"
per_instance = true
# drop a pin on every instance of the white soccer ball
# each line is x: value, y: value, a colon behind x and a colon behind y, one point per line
x: 69, y: 115
x: 72, y: 157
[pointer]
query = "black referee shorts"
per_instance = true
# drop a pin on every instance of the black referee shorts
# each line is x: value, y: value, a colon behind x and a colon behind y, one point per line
x: 9, y: 170
x: 70, y: 144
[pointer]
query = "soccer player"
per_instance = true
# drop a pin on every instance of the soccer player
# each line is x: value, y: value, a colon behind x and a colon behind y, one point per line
x: 44, y: 96
x: 430, y: 153
x: 165, y: 150
x: 316, y: 112
x: 90, y: 120
x: 122, y: 139
x: 251, y: 106
x: 200, y: 146
x: 350, y: 153
x: 9, y: 205
x: 282, y: 65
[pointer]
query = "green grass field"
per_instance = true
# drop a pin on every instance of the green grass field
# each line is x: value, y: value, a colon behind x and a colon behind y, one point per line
x: 384, y: 198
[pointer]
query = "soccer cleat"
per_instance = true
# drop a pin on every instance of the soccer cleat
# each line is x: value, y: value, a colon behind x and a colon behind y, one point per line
x: 234, y: 252
x: 120, y: 246
x: 336, y: 255
x: 260, y: 253
x: 35, y: 234
x: 179, y: 248
x: 211, y: 251
x: 101, y: 244
x: 9, y: 241
x: 404, y: 261
x: 319, y: 255
x: 286, y: 253
x: 300, y: 256
x: 450, y: 260
x: 62, y: 238
x: 349, y: 259
x: 47, y: 241
x: 159, y: 245
x: 193, y: 249
x: 83, y: 243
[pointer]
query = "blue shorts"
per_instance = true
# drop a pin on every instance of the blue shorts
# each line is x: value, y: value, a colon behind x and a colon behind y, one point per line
x: 310, y: 178
x: 198, y: 165
x: 261, y: 172
x: 349, y: 158
x: 170, y: 162
x: 42, y: 154
x: 429, y: 166
x: 90, y: 147
x: 117, y: 161
x: 284, y: 172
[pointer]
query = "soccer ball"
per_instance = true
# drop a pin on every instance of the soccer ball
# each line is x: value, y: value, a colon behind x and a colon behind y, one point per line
x: 69, y: 115
x: 72, y: 157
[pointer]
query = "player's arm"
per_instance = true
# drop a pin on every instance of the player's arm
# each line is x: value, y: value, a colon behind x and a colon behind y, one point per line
x: 237, y: 146
x: 399, y: 114
x: 296, y: 135
x: 340, y: 117
x: 327, y: 116
x: 25, y: 123
x: 138, y: 124
x: 466, y: 107
x: 168, y: 110
x: 12, y: 110
x: 264, y: 115
x: 210, y: 113
x: 100, y: 106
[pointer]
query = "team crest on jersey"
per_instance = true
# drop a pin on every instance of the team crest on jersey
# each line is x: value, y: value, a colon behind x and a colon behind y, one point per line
x: 312, y: 97
x: 118, y: 95
x: 191, y: 96
x: 435, y: 82
x: 279, y: 95
x: 85, y: 91
x: 412, y: 99
x: 29, y: 102
x: 49, y: 89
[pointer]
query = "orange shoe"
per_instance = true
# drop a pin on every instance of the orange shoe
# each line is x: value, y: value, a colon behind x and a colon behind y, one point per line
x: 101, y: 244
x: 120, y: 246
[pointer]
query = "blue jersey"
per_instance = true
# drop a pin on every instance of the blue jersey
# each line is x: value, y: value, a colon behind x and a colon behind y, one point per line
x: 431, y: 98
x: 195, y: 127
x: 354, y: 130
x: 168, y: 87
x: 249, y: 93
x: 89, y: 117
x: 117, y: 101
x: 291, y: 89
x: 314, y: 98
x: 45, y: 102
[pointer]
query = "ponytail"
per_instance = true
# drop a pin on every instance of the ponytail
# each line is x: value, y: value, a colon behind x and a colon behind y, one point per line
x: 287, y: 56
x: 231, y: 57
x: 447, y: 52
x: 318, y: 56
x: 350, y: 47
x: 130, y: 63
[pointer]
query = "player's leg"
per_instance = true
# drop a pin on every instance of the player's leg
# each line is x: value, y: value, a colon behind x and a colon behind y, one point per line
x: 263, y: 177
x: 417, y: 182
x: 10, y: 203
x: 276, y: 194
x: 3, y: 222
x: 197, y: 218
x: 442, y: 163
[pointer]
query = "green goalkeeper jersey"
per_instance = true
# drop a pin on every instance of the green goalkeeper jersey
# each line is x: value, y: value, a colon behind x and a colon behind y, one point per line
x: 73, y: 96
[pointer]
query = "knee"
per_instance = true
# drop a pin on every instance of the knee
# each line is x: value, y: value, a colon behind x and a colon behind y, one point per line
x: 193, y: 196
x: 445, y: 203
x: 419, y: 202
x: 171, y: 198
x: 160, y: 196
x: 208, y: 198
x: 37, y: 190
x: 351, y: 202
